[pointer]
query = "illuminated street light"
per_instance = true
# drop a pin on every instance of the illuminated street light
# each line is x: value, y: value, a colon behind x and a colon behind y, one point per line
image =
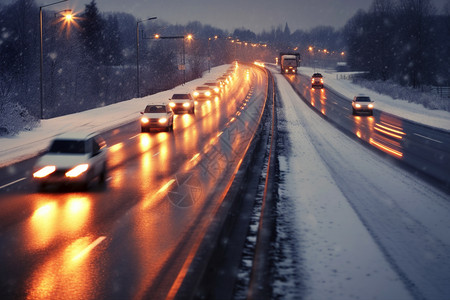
x: 41, y: 69
x: 184, y: 37
x: 137, y: 53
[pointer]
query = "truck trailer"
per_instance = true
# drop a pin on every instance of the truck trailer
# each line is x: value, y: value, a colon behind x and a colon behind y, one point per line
x: 289, y: 61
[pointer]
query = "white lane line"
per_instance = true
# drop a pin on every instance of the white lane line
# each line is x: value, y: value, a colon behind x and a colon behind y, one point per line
x: 90, y: 247
x: 425, y: 137
x: 134, y: 136
x: 11, y: 183
x: 157, y: 153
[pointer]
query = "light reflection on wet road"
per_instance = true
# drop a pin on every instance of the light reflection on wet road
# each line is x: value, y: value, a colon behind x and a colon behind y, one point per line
x: 118, y: 240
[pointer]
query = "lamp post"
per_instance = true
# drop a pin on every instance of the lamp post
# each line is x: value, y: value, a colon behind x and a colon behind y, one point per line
x: 184, y: 37
x: 41, y: 69
x: 137, y: 53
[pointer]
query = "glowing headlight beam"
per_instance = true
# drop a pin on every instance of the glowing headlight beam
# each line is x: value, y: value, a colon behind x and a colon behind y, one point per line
x: 77, y: 171
x: 44, y: 172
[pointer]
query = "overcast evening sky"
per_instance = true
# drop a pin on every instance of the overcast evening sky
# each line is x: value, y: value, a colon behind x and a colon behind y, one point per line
x: 256, y: 15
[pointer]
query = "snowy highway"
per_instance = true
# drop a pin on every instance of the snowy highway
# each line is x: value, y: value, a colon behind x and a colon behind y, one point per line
x: 364, y: 227
x: 136, y: 236
x: 353, y: 223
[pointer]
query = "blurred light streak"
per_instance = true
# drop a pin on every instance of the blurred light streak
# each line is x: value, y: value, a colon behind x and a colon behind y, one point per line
x: 89, y: 248
x: 385, y: 148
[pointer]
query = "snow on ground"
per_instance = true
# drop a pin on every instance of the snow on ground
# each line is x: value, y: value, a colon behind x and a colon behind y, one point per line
x: 360, y: 222
x: 340, y: 259
x: 27, y: 144
x: 399, y: 107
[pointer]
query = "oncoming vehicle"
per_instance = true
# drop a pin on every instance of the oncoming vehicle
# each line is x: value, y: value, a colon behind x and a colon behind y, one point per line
x: 202, y: 92
x: 182, y: 103
x: 75, y: 157
x: 317, y: 80
x: 157, y: 116
x: 362, y: 104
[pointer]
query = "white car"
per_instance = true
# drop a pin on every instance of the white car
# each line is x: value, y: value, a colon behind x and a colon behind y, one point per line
x: 362, y: 104
x: 75, y: 157
x: 182, y: 103
x: 202, y: 92
x: 157, y: 116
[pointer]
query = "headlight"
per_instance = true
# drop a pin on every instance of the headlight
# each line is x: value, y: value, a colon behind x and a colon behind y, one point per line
x: 144, y: 120
x: 358, y: 105
x: 370, y: 105
x: 186, y: 104
x: 162, y: 120
x: 195, y: 94
x: 77, y: 171
x: 208, y: 93
x: 171, y: 104
x: 216, y: 89
x: 44, y: 172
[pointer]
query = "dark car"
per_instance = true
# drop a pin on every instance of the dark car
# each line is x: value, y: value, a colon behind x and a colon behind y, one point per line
x: 317, y: 80
x: 182, y: 103
x: 157, y: 116
x: 362, y: 104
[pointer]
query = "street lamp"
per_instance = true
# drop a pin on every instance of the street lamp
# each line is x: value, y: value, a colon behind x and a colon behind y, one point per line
x: 42, y: 56
x: 184, y: 37
x: 137, y: 52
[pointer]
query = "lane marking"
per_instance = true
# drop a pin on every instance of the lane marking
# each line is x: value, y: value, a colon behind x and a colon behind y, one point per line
x: 89, y: 248
x: 157, y: 153
x: 134, y: 136
x: 425, y: 137
x: 11, y: 183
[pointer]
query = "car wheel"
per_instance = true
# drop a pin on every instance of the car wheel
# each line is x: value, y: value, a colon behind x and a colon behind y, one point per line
x: 102, y: 176
x: 143, y: 129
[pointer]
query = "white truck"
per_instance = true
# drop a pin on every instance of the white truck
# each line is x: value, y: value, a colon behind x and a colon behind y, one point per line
x: 289, y: 61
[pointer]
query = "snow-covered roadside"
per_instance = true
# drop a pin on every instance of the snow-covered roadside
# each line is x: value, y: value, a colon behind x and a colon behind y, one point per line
x: 402, y: 108
x: 359, y: 222
x: 339, y: 258
x: 28, y: 143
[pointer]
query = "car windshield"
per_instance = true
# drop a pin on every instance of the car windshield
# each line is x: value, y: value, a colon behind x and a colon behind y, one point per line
x: 317, y: 75
x: 68, y: 146
x: 363, y: 99
x: 203, y: 88
x: 155, y: 109
x: 180, y: 96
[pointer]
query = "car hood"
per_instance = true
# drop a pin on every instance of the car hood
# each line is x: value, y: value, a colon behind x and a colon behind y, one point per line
x: 62, y: 161
x: 155, y: 115
x: 181, y: 100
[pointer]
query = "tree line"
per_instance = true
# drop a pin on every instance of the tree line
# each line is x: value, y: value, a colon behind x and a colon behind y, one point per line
x: 401, y: 40
x: 91, y: 61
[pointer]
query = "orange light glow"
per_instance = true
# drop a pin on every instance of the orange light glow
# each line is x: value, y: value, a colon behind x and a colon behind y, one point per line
x: 44, y: 172
x: 385, y: 148
x: 77, y: 171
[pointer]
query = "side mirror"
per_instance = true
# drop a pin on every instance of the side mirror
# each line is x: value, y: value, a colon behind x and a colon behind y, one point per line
x: 141, y: 112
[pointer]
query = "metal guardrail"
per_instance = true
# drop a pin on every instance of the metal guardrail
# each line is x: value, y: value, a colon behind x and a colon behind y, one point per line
x: 443, y: 91
x: 260, y: 278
